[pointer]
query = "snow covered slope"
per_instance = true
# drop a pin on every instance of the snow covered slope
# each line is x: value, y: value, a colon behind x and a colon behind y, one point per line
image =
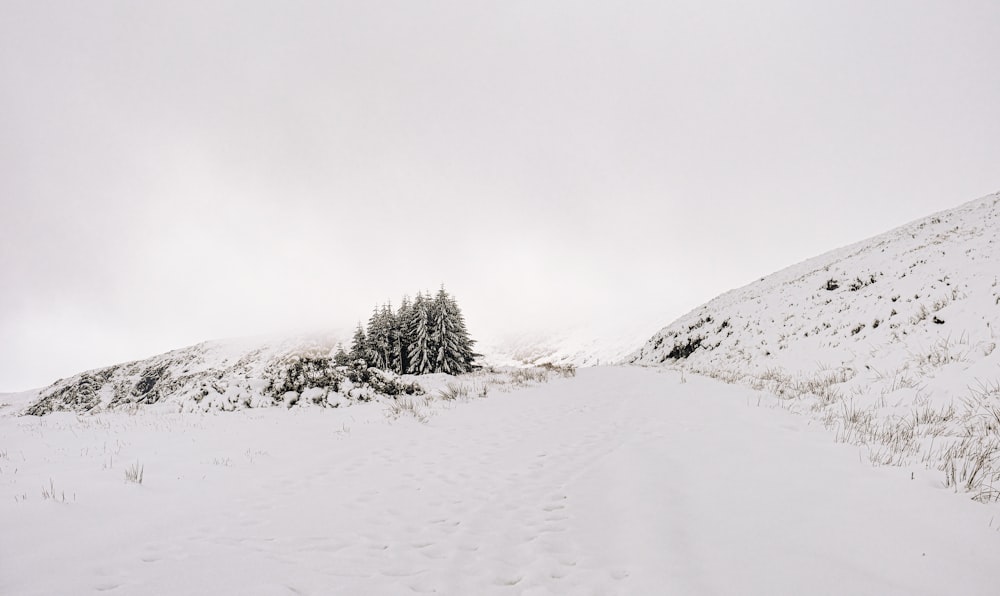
x: 258, y: 372
x: 578, y: 347
x: 15, y: 403
x: 891, y: 340
x: 224, y: 375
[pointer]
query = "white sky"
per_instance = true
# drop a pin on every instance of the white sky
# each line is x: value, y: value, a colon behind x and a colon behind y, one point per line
x: 177, y: 171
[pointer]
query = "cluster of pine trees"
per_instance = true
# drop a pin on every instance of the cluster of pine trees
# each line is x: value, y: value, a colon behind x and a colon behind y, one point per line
x: 425, y: 335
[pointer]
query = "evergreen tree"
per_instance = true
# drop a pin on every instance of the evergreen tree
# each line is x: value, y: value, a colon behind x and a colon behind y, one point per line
x: 449, y: 337
x: 419, y: 333
x: 388, y: 317
x: 465, y: 356
x: 441, y: 332
x: 380, y: 338
x: 401, y: 337
x: 359, y: 345
x: 423, y: 336
x: 340, y: 357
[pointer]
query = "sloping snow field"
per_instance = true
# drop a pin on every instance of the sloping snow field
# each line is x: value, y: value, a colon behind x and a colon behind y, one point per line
x: 621, y: 480
x: 890, y: 341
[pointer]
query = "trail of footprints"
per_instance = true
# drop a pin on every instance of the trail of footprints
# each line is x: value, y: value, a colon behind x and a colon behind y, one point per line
x: 501, y: 511
x: 467, y: 519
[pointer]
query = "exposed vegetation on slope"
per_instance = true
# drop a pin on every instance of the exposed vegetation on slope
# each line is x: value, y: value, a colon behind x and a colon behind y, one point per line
x: 891, y: 342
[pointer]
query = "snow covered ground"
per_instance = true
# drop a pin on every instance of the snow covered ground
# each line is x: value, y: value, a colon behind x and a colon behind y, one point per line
x: 890, y: 342
x: 621, y: 480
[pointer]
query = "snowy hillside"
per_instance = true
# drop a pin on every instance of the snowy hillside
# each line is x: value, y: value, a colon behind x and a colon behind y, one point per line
x: 262, y: 372
x: 223, y: 375
x: 579, y: 348
x: 891, y: 341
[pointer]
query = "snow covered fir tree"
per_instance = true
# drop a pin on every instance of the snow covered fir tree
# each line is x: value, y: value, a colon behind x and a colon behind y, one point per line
x: 425, y: 335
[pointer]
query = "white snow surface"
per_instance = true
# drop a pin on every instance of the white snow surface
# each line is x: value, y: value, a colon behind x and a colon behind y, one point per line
x: 622, y: 480
x: 891, y: 342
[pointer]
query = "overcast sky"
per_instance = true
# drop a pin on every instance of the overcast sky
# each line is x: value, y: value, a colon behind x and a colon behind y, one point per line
x: 178, y: 171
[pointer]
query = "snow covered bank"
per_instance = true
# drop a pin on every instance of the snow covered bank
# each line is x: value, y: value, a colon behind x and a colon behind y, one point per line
x: 618, y: 481
x: 891, y: 341
x: 235, y: 374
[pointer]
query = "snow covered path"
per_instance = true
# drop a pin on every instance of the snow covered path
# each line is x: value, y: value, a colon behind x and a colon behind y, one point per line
x: 620, y: 481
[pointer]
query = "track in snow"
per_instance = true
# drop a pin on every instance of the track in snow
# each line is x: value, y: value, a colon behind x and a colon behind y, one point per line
x: 620, y: 481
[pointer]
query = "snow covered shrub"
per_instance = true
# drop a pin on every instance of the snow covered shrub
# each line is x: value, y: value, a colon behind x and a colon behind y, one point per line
x: 728, y: 376
x: 314, y: 395
x: 80, y: 396
x: 944, y: 352
x: 859, y: 283
x: 134, y: 473
x: 340, y: 358
x: 299, y: 373
x: 930, y: 417
x: 682, y: 350
x: 453, y: 391
x: 972, y: 465
x: 409, y: 406
x: 359, y: 373
x: 823, y: 385
x: 50, y: 492
x: 700, y: 323
x: 563, y: 370
x: 525, y: 376
x: 386, y: 383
